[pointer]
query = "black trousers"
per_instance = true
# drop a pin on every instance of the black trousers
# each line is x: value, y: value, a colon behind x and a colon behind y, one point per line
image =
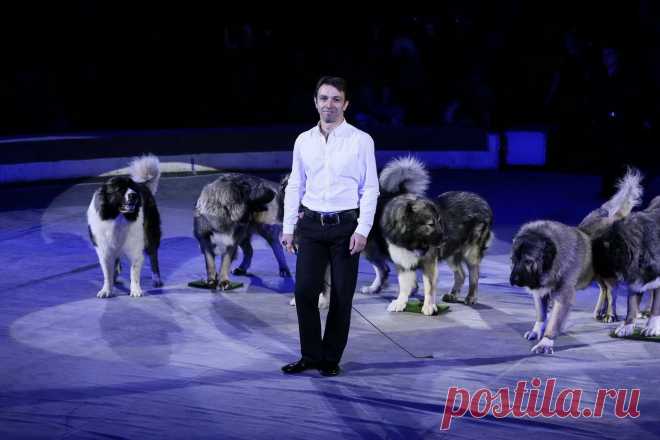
x: 318, y: 246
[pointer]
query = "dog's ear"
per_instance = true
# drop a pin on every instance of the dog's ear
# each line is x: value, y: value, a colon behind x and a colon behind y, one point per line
x: 523, y: 270
x: 103, y: 203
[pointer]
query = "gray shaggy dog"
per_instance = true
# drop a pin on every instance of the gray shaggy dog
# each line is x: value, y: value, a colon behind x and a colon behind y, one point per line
x: 456, y: 226
x: 552, y: 261
x: 468, y: 223
x: 228, y: 211
x: 598, y: 221
x: 630, y: 252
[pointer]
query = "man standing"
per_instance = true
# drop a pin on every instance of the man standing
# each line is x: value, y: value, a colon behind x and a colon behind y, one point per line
x: 330, y: 199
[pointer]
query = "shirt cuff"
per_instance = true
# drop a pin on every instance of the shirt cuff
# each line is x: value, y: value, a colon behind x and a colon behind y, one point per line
x: 363, y: 230
x: 288, y: 229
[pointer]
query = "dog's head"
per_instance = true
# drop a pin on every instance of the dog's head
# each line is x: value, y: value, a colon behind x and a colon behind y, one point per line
x: 532, y: 256
x: 414, y: 222
x: 119, y: 195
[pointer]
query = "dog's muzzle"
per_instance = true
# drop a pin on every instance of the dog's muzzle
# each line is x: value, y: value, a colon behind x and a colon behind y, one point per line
x: 522, y: 278
x: 130, y: 201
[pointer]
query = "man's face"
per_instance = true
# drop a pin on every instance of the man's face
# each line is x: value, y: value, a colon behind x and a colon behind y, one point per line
x: 331, y: 104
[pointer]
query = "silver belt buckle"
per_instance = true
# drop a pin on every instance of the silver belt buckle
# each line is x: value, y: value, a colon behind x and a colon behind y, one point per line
x: 329, y: 219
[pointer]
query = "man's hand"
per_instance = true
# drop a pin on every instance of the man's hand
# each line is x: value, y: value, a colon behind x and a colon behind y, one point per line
x: 287, y: 242
x: 358, y: 242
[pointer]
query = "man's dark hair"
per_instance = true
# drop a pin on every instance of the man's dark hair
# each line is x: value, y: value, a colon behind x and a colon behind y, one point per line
x: 334, y: 81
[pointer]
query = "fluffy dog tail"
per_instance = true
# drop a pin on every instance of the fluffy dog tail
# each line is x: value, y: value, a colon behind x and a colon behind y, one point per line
x: 404, y: 175
x: 628, y: 196
x: 146, y: 169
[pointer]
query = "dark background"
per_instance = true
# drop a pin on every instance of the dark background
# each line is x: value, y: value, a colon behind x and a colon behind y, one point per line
x: 92, y: 66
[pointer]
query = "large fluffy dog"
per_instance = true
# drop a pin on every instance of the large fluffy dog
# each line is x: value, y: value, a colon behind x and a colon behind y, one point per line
x: 419, y: 232
x: 552, y: 261
x: 123, y: 219
x: 405, y: 175
x: 630, y: 251
x: 228, y: 211
x: 597, y: 222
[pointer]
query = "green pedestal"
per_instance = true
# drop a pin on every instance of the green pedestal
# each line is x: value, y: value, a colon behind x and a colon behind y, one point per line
x: 203, y: 284
x: 637, y: 336
x: 415, y: 306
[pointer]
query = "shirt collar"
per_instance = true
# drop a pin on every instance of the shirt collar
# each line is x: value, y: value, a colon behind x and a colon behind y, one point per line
x: 340, y: 130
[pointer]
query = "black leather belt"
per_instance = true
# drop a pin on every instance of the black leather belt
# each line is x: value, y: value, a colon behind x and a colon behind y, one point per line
x: 332, y: 218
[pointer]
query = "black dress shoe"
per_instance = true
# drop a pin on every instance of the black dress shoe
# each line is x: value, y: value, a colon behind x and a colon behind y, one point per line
x: 329, y: 369
x: 299, y: 366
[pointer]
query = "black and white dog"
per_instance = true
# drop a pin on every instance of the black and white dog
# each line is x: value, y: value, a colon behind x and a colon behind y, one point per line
x: 123, y: 218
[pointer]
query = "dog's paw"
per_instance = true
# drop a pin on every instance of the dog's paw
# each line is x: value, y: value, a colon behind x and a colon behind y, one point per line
x: 239, y: 271
x: 374, y: 287
x: 285, y: 273
x: 136, y: 292
x: 370, y: 290
x: 397, y: 306
x: 652, y: 327
x: 293, y: 301
x: 450, y: 297
x: 545, y: 346
x: 470, y: 300
x: 156, y: 281
x: 609, y: 318
x: 429, y: 309
x: 324, y: 301
x: 104, y: 293
x: 536, y: 331
x: 531, y: 335
x: 624, y: 330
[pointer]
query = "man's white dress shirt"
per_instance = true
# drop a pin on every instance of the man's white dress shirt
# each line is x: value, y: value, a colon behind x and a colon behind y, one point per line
x: 333, y: 175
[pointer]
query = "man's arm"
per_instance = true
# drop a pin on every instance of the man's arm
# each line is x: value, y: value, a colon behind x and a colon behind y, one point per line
x: 368, y: 191
x: 294, y: 191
